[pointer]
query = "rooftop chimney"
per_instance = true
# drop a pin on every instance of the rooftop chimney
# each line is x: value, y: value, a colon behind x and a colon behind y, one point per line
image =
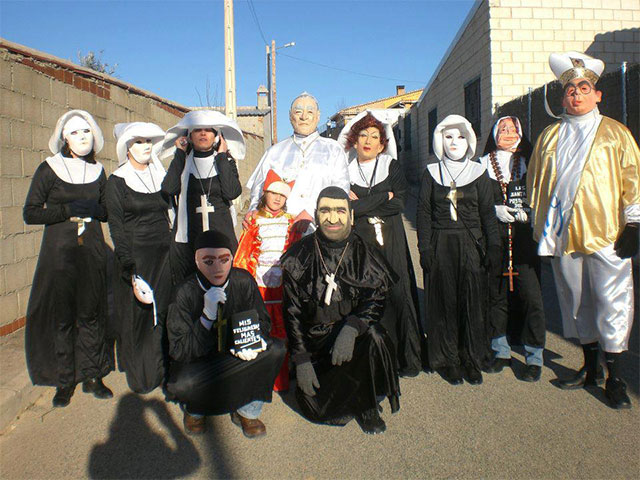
x: 263, y: 97
x: 399, y: 89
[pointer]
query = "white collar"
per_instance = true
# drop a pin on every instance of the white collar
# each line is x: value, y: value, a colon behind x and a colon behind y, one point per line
x: 356, y: 171
x: 304, y: 141
x: 148, y: 180
x: 74, y: 170
x: 463, y: 172
x: 592, y: 116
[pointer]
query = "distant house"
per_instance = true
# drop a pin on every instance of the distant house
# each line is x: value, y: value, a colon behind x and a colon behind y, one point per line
x: 501, y: 50
x: 401, y: 101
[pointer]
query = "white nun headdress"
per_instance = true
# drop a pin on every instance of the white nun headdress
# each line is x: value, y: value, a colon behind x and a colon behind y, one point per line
x: 570, y: 65
x: 454, y: 121
x: 381, y: 115
x: 206, y: 119
x: 56, y: 142
x: 125, y: 132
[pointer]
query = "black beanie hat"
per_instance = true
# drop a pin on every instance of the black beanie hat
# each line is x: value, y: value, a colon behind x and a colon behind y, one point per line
x: 213, y: 239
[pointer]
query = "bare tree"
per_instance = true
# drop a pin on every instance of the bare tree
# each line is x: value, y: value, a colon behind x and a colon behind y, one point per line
x: 94, y: 62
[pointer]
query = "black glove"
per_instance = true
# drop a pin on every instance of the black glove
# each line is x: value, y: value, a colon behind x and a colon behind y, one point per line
x: 128, y: 271
x: 426, y: 260
x: 343, y: 347
x: 83, y: 208
x: 306, y: 377
x: 626, y: 245
x: 493, y: 259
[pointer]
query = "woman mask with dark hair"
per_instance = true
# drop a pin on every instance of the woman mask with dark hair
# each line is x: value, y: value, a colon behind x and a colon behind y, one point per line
x: 378, y: 187
x: 457, y: 237
x: 506, y: 157
x: 66, y: 316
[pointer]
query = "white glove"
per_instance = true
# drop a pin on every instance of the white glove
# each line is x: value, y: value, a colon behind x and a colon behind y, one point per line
x: 504, y: 213
x: 212, y: 298
x: 247, y: 354
x: 141, y: 290
x: 521, y: 216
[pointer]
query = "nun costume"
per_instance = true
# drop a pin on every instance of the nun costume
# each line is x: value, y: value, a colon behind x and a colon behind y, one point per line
x: 67, y: 310
x: 203, y: 183
x: 139, y: 226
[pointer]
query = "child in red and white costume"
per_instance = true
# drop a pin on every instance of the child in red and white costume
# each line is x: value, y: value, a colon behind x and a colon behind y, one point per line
x: 267, y: 237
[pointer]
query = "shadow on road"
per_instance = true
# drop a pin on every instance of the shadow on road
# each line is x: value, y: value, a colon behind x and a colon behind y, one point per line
x: 134, y: 450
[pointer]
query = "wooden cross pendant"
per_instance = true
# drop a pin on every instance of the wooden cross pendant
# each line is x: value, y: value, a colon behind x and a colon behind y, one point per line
x: 510, y: 273
x: 205, y: 209
x: 453, y: 197
x: 331, y: 286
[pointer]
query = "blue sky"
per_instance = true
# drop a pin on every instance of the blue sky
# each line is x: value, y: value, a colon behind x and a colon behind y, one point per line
x: 175, y: 48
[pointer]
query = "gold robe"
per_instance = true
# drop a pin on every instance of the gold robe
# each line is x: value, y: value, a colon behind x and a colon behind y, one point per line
x: 609, y: 182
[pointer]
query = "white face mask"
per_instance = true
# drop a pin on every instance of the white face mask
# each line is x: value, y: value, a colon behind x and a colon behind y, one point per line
x: 80, y: 141
x: 455, y: 144
x: 140, y: 150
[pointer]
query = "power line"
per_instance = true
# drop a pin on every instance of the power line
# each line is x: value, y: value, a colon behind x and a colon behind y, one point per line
x: 350, y: 71
x: 252, y: 9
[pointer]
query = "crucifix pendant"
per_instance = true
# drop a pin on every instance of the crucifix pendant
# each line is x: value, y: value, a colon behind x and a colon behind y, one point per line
x: 453, y: 196
x: 205, y: 209
x: 81, y: 222
x: 331, y: 286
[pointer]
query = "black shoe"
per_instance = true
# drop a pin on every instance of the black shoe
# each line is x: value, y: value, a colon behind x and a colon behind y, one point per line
x: 96, y: 387
x: 472, y: 375
x: 579, y: 380
x: 616, y: 392
x: 531, y: 373
x: 498, y: 364
x: 63, y: 396
x: 408, y: 372
x: 370, y: 422
x: 451, y: 374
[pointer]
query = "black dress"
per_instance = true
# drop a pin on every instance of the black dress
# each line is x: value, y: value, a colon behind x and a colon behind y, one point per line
x: 456, y: 285
x: 67, y: 310
x: 220, y: 189
x: 401, y: 313
x: 208, y: 381
x: 363, y: 279
x: 520, y: 314
x: 139, y: 228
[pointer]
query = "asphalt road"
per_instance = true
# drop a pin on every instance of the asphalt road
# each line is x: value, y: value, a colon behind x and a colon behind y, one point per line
x: 503, y: 428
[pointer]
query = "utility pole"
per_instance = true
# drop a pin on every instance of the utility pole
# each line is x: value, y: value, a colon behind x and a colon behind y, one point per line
x: 274, y: 116
x: 230, y: 109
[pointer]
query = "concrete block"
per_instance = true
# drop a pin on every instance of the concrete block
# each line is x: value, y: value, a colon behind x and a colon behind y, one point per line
x: 623, y: 57
x: 10, y: 103
x: 6, y: 248
x: 9, y: 307
x: 11, y: 163
x: 521, y: 12
x: 630, y: 4
x: 3, y: 281
x: 583, y: 35
x: 100, y: 109
x: 614, y: 4
x: 41, y: 137
x: 51, y: 112
x: 22, y: 79
x: 5, y: 131
x: 594, y: 26
x: 20, y: 135
x: 563, y: 35
x: 515, y: 67
x: 511, y: 46
x: 543, y: 34
x: 17, y: 272
x: 23, y: 299
x: 572, y: 25
x: 42, y: 86
x: 523, y: 35
x: 603, y: 14
x: 73, y: 97
x: 583, y: 14
x: 58, y: 93
x: 631, y: 47
x: 550, y: 24
x: 30, y: 161
x: 595, y: 4
x: 613, y: 47
x: 542, y: 13
x: 628, y: 24
x: 623, y: 15
x: 87, y: 101
x: 577, y: 4
x: 532, y: 46
x: 19, y: 189
x: 32, y: 110
x: 5, y: 74
x: 12, y: 221
x: 552, y: 46
x: 6, y: 198
x: 500, y: 12
x: 119, y: 96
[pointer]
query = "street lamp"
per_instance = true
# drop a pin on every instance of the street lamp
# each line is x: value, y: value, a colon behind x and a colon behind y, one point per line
x: 271, y: 82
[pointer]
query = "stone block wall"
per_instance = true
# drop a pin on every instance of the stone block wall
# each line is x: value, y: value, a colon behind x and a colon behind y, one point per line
x: 35, y: 90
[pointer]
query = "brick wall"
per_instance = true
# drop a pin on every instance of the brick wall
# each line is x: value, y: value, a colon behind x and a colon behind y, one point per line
x: 35, y: 90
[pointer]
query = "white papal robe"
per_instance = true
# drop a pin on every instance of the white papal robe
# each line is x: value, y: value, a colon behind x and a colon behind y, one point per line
x: 314, y: 162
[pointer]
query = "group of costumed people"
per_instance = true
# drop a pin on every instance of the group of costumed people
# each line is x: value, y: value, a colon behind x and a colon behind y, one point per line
x: 320, y: 286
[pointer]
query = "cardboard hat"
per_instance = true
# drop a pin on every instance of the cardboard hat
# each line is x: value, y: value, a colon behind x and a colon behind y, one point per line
x: 56, y: 142
x: 125, y: 132
x: 570, y: 65
x: 206, y: 119
x: 273, y: 183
